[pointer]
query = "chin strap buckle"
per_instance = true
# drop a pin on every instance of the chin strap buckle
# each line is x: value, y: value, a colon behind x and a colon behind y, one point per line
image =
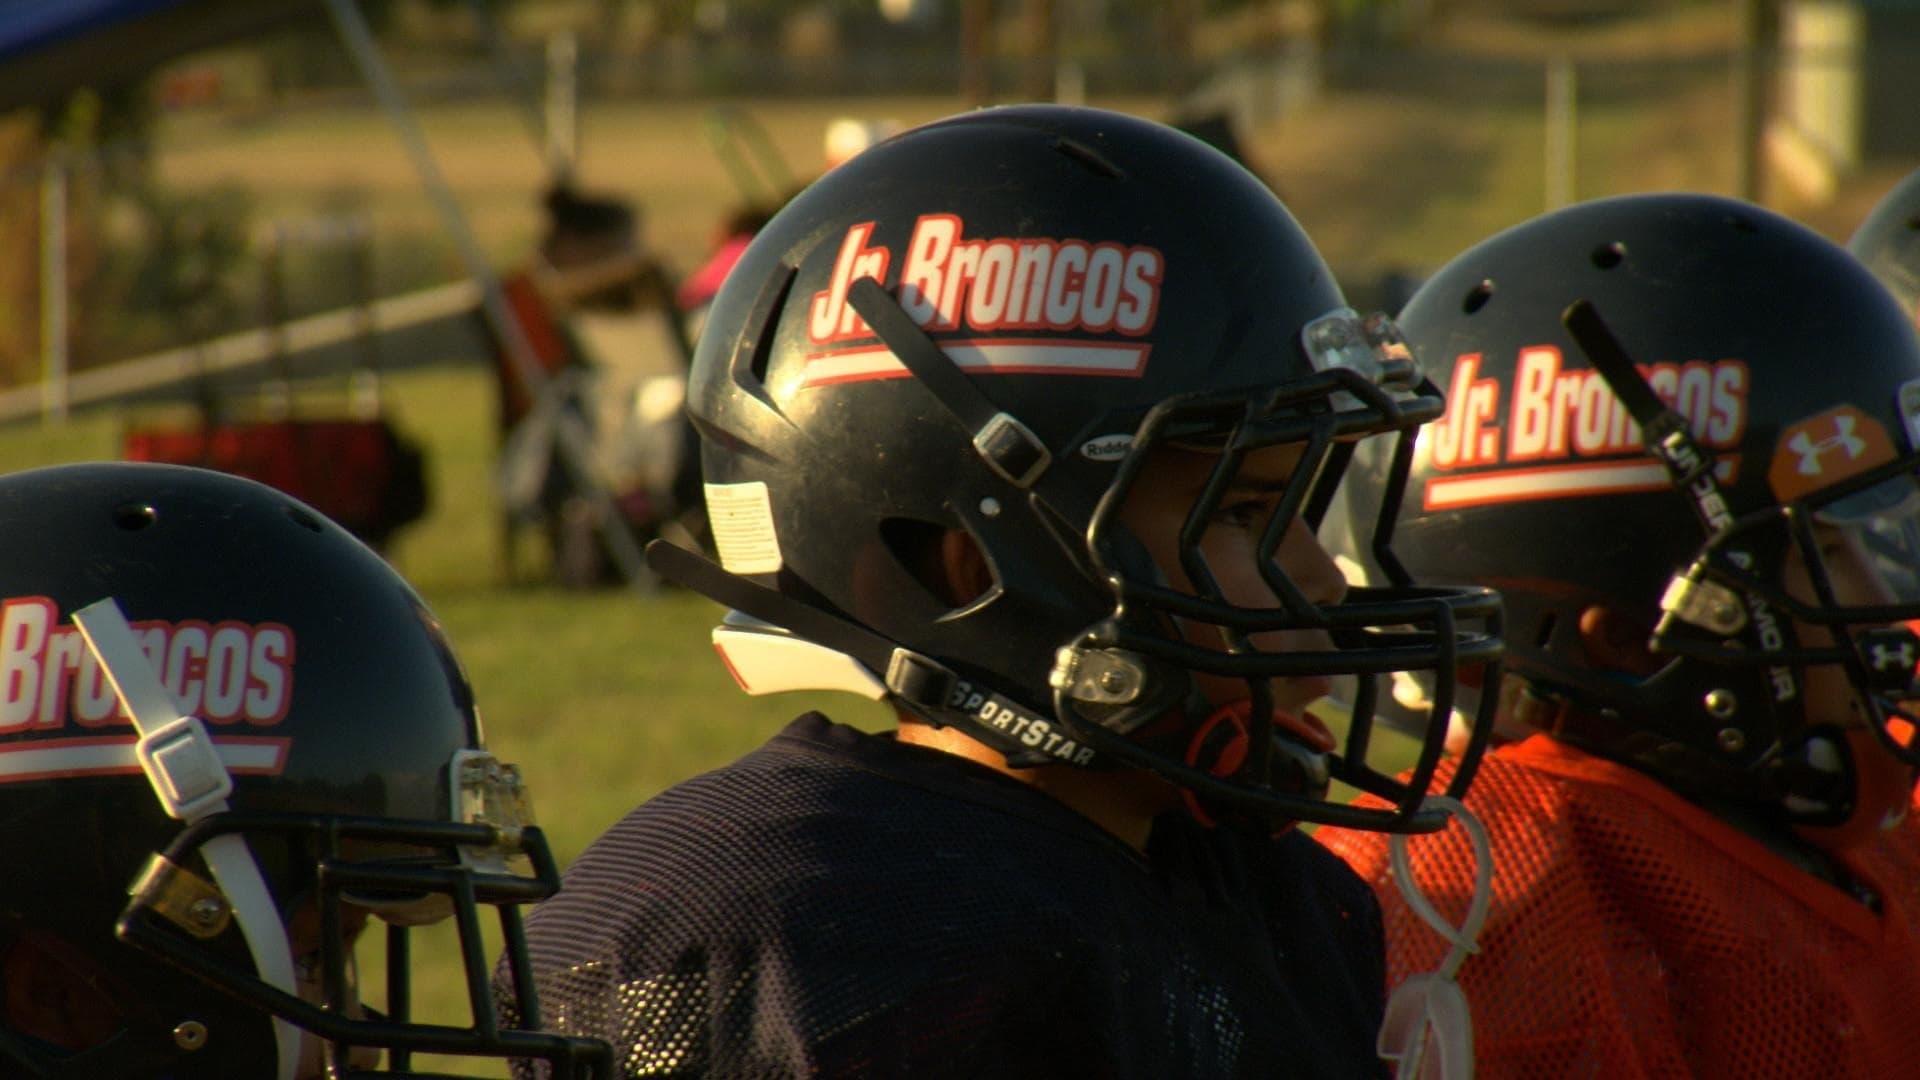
x: 1011, y: 449
x: 919, y: 679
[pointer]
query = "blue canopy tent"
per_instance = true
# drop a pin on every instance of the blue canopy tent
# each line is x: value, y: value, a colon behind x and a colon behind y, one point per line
x: 50, y: 48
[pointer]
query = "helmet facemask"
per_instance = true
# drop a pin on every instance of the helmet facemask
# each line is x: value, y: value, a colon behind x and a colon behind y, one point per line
x: 1778, y: 594
x: 1126, y: 674
x: 233, y: 876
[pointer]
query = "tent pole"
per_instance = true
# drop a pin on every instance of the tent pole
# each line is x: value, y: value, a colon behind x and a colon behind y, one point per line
x: 573, y: 444
x: 53, y: 287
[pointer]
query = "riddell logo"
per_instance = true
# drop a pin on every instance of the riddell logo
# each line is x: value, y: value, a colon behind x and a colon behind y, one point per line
x: 1106, y: 447
x: 1563, y: 433
x: 55, y: 695
x: 950, y: 283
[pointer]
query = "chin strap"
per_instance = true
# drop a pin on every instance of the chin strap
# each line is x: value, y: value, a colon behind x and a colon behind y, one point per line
x: 1428, y: 1031
x: 184, y: 767
x: 773, y: 633
x: 1220, y: 745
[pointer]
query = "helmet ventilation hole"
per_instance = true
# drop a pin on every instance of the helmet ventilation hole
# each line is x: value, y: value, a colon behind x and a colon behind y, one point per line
x: 1913, y: 223
x: 1544, y: 635
x: 1608, y: 256
x: 134, y: 516
x: 1742, y: 224
x: 1478, y: 297
x: 916, y: 547
x: 773, y: 297
x: 303, y: 519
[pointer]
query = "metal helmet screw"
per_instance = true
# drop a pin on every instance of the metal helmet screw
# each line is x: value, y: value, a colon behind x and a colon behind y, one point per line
x: 206, y: 911
x: 1721, y: 705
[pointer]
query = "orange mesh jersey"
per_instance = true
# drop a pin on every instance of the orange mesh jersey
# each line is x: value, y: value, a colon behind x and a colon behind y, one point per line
x: 1634, y: 934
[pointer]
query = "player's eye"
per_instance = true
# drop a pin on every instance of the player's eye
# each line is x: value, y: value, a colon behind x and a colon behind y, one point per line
x: 1244, y: 514
x: 1835, y: 548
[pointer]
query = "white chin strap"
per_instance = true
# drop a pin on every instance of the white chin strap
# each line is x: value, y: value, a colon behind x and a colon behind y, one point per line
x: 1428, y: 1031
x: 192, y: 782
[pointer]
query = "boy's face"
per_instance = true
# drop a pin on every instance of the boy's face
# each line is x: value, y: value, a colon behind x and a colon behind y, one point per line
x: 1883, y: 784
x: 1155, y: 512
x: 303, y: 937
x: 1830, y: 695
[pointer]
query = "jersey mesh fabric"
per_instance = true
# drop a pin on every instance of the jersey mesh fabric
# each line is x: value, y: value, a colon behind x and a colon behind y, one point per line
x: 841, y: 904
x: 1635, y: 934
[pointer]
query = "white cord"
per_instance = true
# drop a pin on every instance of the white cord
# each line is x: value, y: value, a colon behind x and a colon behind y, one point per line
x: 1428, y: 1029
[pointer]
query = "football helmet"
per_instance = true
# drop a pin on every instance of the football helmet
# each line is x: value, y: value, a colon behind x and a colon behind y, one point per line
x: 215, y: 699
x: 1889, y: 243
x: 1783, y: 389
x: 985, y: 325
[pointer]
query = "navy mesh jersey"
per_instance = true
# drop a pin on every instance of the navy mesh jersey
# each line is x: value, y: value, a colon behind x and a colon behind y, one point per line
x: 840, y: 904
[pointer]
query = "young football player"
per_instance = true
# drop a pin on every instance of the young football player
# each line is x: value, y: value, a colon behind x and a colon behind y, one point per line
x: 1019, y: 421
x: 1680, y: 440
x: 219, y: 702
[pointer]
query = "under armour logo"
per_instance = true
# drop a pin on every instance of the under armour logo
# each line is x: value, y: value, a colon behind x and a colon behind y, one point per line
x: 1887, y: 658
x: 1842, y: 438
x: 1890, y: 652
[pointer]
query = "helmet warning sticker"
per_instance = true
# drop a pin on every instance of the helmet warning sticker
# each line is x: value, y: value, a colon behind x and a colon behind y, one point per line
x: 59, y: 715
x: 951, y: 284
x: 1825, y: 449
x: 741, y: 516
x: 1562, y: 433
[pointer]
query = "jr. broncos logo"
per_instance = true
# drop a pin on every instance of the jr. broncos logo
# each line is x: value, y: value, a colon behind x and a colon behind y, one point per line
x: 1063, y: 289
x: 60, y: 716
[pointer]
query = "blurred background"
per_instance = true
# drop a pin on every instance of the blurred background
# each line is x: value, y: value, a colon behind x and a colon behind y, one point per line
x: 435, y: 265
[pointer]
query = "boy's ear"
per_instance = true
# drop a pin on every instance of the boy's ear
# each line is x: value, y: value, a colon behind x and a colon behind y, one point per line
x: 1616, y: 641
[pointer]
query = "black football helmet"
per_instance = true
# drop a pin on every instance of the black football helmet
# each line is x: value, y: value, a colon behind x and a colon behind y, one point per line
x: 218, y: 701
x: 1782, y: 387
x: 1889, y: 243
x: 986, y: 324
